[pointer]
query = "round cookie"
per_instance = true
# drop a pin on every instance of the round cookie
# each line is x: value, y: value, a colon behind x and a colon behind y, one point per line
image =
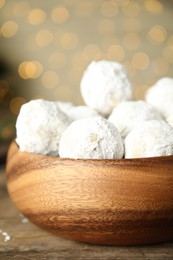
x: 149, y: 139
x: 91, y: 138
x: 160, y: 95
x: 104, y: 85
x: 39, y: 127
x: 129, y: 114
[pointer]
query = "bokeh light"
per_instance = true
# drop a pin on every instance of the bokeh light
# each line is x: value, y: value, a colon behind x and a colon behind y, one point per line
x: 79, y: 61
x: 4, y: 87
x: 37, y: 16
x: 160, y: 67
x: 116, y: 53
x: 30, y: 69
x: 21, y: 9
x: 48, y: 45
x: 44, y: 37
x: 92, y: 52
x: 9, y: 29
x: 109, y: 9
x: 132, y: 8
x: 2, y: 2
x: 50, y: 79
x: 157, y: 34
x: 69, y: 41
x: 121, y: 3
x: 140, y: 61
x: 153, y: 6
x: 60, y: 15
x: 16, y: 104
x: 131, y: 41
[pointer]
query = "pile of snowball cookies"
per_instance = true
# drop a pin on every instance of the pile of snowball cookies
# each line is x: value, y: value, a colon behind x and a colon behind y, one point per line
x: 110, y: 126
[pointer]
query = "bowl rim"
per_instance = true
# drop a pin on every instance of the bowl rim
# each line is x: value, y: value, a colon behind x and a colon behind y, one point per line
x: 16, y: 150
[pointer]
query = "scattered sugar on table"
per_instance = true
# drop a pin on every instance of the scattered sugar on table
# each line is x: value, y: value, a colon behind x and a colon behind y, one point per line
x: 91, y: 138
x: 149, y: 139
x: 5, y: 236
x: 39, y: 127
x: 104, y: 85
x: 24, y: 220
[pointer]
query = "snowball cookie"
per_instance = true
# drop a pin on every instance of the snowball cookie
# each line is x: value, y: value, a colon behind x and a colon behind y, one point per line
x: 105, y: 84
x: 149, y: 139
x: 129, y: 114
x: 39, y: 127
x: 91, y: 138
x: 78, y: 112
x: 64, y: 106
x: 160, y: 95
x: 169, y: 119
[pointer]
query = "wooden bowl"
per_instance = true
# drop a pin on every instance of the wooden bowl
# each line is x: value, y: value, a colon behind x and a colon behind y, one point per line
x: 110, y: 202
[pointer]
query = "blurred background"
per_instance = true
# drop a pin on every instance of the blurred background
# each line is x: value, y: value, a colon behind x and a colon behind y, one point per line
x: 45, y: 46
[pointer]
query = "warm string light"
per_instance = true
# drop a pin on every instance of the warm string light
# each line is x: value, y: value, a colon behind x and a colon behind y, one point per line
x: 69, y: 41
x: 57, y: 42
x: 153, y: 6
x: 116, y: 52
x: 131, y: 9
x: 43, y: 37
x: 37, y: 16
x: 140, y: 61
x: 2, y: 2
x: 21, y: 9
x: 50, y: 79
x: 79, y: 61
x: 16, y: 104
x: 109, y: 9
x: 4, y: 87
x: 160, y: 66
x: 60, y: 15
x: 9, y: 29
x: 30, y: 69
x: 157, y: 34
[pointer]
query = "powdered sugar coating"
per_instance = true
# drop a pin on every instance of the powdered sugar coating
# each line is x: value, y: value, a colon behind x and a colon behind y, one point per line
x: 39, y: 127
x: 64, y: 106
x: 91, y: 138
x: 79, y: 112
x: 149, y: 139
x: 129, y: 114
x: 169, y: 119
x: 105, y: 84
x: 160, y: 95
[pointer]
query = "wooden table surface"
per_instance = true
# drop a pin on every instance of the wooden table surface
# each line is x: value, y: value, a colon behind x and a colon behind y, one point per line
x: 27, y: 241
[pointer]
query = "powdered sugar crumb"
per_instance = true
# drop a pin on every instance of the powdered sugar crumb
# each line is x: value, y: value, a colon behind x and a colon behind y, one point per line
x: 5, y: 236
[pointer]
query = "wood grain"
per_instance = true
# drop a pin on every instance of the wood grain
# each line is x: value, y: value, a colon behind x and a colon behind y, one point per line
x: 111, y: 202
x: 30, y: 242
